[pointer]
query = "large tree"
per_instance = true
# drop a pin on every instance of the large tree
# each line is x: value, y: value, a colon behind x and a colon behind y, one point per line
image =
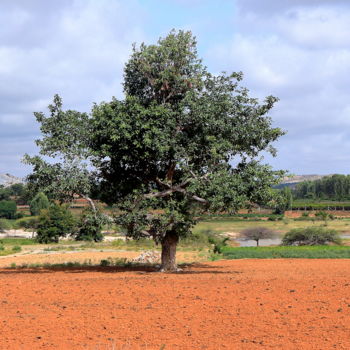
x: 181, y: 142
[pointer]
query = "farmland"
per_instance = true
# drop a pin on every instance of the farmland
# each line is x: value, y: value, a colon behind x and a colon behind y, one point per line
x: 240, y: 304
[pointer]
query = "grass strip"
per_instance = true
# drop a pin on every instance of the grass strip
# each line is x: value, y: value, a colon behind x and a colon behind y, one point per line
x: 305, y: 252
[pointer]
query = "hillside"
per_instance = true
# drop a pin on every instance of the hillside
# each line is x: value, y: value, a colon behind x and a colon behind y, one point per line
x: 8, y: 180
x: 291, y: 181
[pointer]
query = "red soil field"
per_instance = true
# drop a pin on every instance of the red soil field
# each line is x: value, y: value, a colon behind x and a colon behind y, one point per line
x: 240, y: 304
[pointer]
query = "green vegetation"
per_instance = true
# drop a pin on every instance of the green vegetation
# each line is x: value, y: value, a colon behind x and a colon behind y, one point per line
x: 55, y: 222
x: 90, y: 226
x: 245, y: 216
x: 6, y: 249
x: 30, y: 222
x: 5, y: 225
x: 17, y: 241
x: 17, y: 192
x: 236, y: 225
x: 8, y: 209
x: 335, y: 187
x: 163, y: 155
x: 311, y: 236
x: 39, y: 202
x: 316, y: 204
x: 283, y: 201
x: 306, y: 252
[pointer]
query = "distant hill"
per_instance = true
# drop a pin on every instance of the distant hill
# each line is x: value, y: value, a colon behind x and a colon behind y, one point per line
x: 8, y: 180
x: 294, y: 180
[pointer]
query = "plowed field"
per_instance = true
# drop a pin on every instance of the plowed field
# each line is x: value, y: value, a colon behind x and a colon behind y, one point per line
x: 241, y: 304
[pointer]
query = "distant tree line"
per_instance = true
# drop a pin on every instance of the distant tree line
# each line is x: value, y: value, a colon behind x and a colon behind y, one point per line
x: 335, y: 187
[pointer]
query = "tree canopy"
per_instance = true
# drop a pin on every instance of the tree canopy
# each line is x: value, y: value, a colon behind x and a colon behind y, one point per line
x: 181, y: 142
x: 334, y: 187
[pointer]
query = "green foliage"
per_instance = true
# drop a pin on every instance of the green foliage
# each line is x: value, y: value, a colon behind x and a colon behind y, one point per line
x: 290, y: 252
x: 55, y: 222
x: 39, y: 202
x: 5, y: 225
x: 122, y: 262
x: 66, y: 135
x: 16, y: 249
x: 30, y: 222
x: 18, y: 192
x: 90, y: 226
x: 218, y: 243
x: 8, y: 209
x: 316, y: 204
x: 17, y: 241
x: 311, y: 236
x: 5, y: 193
x: 335, y: 187
x: 324, y: 215
x: 182, y: 142
x: 283, y: 200
x: 173, y: 109
x: 275, y: 217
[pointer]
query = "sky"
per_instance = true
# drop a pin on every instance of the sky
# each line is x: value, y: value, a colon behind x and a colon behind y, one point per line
x: 297, y: 50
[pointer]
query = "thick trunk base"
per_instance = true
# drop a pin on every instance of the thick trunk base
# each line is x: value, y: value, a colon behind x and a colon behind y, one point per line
x: 168, y: 258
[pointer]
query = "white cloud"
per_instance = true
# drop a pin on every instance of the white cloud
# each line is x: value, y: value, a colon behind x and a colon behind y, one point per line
x: 75, y: 48
x: 300, y: 52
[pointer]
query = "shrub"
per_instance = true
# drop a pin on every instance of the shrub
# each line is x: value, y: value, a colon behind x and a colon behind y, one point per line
x: 4, y: 225
x: 28, y: 222
x: 90, y: 226
x: 8, y: 209
x: 55, y: 222
x: 311, y: 236
x: 275, y: 217
x: 218, y: 243
x: 39, y: 202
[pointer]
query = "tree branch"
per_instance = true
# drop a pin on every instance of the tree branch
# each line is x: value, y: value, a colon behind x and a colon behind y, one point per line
x: 92, y: 204
x: 170, y: 190
x: 199, y: 199
x: 179, y: 188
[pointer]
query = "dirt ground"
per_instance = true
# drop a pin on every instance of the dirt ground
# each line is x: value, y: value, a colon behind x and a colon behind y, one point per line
x: 94, y: 257
x: 241, y: 304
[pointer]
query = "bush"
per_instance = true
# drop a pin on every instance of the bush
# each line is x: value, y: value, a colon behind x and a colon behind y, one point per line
x: 16, y: 248
x: 275, y: 217
x: 39, y: 202
x: 19, y: 215
x: 30, y: 222
x: 55, y: 222
x: 218, y: 243
x: 8, y: 209
x: 4, y: 225
x: 311, y: 236
x: 90, y: 226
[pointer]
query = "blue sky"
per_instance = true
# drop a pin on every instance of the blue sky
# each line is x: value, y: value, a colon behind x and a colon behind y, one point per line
x: 297, y: 50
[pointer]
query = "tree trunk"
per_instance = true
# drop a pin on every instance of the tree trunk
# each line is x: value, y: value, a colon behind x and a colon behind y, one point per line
x: 257, y: 243
x: 169, y: 244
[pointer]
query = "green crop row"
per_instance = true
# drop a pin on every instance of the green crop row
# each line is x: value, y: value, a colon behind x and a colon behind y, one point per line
x: 310, y: 252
